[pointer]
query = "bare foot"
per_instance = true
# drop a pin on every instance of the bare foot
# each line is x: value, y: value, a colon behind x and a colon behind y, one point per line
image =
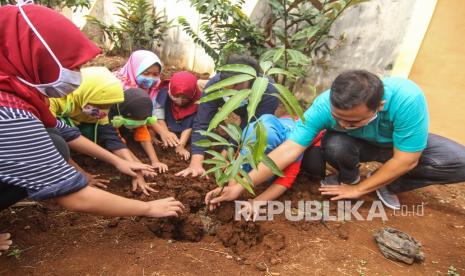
x: 5, y: 242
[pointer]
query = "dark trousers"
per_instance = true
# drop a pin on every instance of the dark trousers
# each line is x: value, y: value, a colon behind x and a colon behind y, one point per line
x: 313, y: 162
x: 442, y: 162
x: 10, y: 194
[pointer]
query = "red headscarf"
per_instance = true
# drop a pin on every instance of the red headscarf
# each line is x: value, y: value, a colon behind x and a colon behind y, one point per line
x: 23, y: 54
x: 184, y: 83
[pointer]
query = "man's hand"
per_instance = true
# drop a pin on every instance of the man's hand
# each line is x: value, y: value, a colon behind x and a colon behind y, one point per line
x: 185, y: 154
x: 162, y: 167
x: 130, y: 168
x: 165, y: 207
x: 139, y: 182
x: 169, y: 139
x: 213, y: 198
x: 342, y: 191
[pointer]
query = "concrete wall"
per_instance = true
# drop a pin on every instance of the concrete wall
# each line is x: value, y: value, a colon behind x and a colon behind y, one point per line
x: 373, y: 34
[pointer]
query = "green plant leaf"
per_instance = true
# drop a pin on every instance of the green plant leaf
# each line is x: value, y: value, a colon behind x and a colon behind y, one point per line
x: 250, y: 159
x: 278, y: 54
x: 286, y: 105
x: 216, y: 155
x: 260, y: 141
x: 213, y: 135
x: 228, y: 82
x: 217, y: 95
x: 266, y: 65
x: 306, y: 33
x: 217, y: 162
x: 233, y: 131
x: 290, y: 99
x: 240, y: 68
x: 271, y: 164
x: 258, y: 88
x: 232, y: 104
x: 203, y: 143
x: 274, y: 71
x: 244, y: 184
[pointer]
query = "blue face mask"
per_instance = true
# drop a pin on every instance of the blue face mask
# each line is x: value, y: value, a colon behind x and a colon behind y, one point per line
x: 146, y: 82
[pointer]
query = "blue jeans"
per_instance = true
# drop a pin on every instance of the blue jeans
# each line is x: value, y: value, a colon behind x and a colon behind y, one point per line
x: 442, y: 162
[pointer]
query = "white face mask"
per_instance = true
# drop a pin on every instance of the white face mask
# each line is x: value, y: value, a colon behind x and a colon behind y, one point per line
x: 67, y: 81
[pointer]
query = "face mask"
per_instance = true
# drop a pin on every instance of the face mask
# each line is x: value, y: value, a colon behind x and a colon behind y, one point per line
x: 93, y: 111
x: 146, y: 82
x: 67, y: 81
x: 357, y: 127
x: 119, y: 121
x: 178, y: 100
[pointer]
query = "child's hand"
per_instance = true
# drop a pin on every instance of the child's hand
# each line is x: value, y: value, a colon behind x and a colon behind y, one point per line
x: 130, y: 168
x: 139, y: 182
x: 213, y: 199
x: 169, y: 139
x: 5, y: 242
x: 165, y: 207
x: 95, y: 181
x: 185, y: 154
x: 162, y: 167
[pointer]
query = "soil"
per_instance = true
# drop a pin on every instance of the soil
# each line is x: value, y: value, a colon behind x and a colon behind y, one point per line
x: 53, y: 241
x: 49, y: 240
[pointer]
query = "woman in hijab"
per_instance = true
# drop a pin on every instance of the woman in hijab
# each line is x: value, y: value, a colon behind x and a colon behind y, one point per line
x: 40, y: 55
x: 175, y: 108
x: 142, y: 70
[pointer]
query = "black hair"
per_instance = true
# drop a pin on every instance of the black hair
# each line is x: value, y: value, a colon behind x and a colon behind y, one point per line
x: 354, y: 87
x: 240, y: 59
x: 136, y: 106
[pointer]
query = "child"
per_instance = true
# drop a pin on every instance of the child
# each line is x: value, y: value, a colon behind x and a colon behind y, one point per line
x: 30, y: 165
x: 175, y: 108
x: 278, y: 130
x: 87, y: 108
x: 142, y: 70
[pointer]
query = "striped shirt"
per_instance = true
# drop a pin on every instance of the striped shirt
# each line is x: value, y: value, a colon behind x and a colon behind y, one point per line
x: 28, y: 158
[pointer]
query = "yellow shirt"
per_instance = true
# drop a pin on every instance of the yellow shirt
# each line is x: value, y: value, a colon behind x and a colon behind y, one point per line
x: 99, y: 86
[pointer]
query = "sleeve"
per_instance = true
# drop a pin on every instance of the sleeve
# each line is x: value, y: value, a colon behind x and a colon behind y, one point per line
x: 109, y: 138
x: 142, y: 134
x: 159, y: 104
x: 68, y: 133
x: 411, y: 125
x: 290, y: 174
x: 204, y: 115
x: 317, y: 118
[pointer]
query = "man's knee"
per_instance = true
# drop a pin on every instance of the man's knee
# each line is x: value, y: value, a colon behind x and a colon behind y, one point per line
x: 336, y: 145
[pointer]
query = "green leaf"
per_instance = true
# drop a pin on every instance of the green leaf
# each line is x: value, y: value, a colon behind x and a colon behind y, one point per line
x: 286, y: 105
x: 216, y: 155
x: 215, y: 162
x: 260, y: 141
x: 237, y: 165
x: 298, y: 57
x: 232, y: 131
x: 271, y: 164
x: 203, y: 143
x: 274, y: 71
x: 214, y: 169
x: 232, y: 104
x: 279, y: 53
x: 217, y: 95
x: 213, y: 135
x: 266, y: 65
x: 306, y: 33
x: 258, y: 88
x: 240, y: 68
x: 244, y: 184
x: 290, y: 99
x: 228, y: 82
x: 250, y: 158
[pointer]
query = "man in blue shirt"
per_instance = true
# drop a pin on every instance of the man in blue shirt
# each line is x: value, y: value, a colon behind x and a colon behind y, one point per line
x: 372, y: 120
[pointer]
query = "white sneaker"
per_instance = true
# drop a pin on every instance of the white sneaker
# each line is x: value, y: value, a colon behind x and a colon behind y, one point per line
x: 388, y: 198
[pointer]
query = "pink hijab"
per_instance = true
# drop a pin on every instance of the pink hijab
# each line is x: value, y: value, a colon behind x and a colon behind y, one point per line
x: 138, y: 62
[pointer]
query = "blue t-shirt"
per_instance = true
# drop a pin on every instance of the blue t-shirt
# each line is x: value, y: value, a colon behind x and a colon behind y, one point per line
x: 403, y: 123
